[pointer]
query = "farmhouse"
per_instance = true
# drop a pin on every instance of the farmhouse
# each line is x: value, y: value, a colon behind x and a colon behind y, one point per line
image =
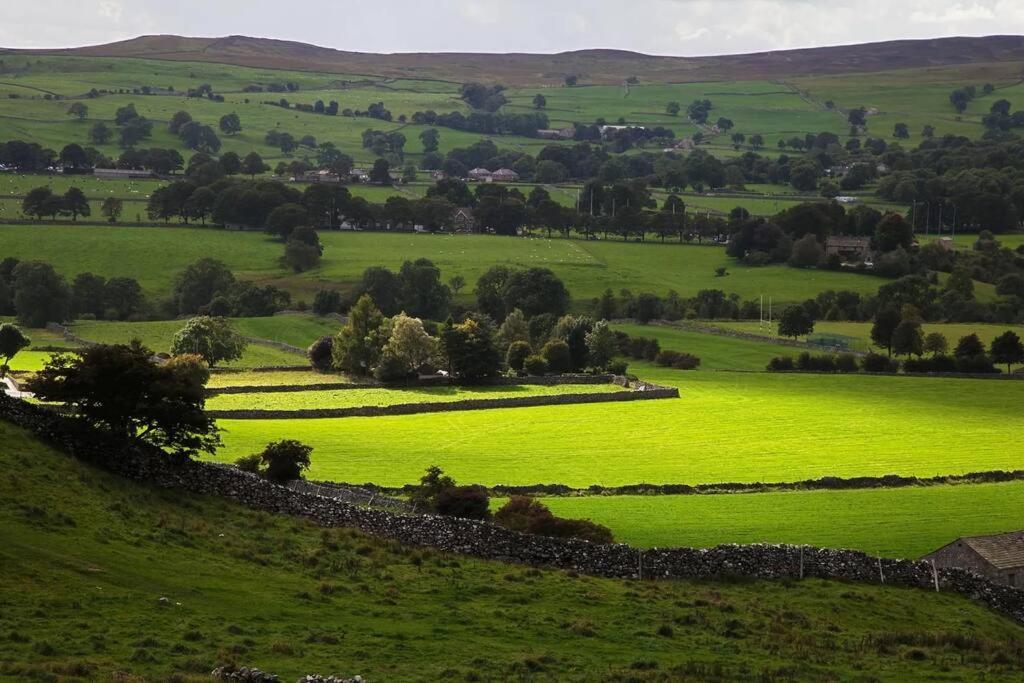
x: 321, y: 176
x: 122, y: 173
x: 480, y: 175
x: 999, y: 557
x: 556, y: 133
x: 849, y: 249
x: 504, y: 175
x: 462, y: 220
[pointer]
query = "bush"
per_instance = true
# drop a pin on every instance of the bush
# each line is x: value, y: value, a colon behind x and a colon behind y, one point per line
x: 535, y: 365
x: 558, y: 356
x: 781, y: 364
x: 391, y: 369
x: 469, y: 502
x: 875, y: 362
x: 531, y: 516
x: 517, y: 354
x: 846, y: 362
x: 640, y: 348
x: 250, y: 463
x: 677, y: 360
x: 285, y: 460
x: 320, y: 354
x: 810, y: 363
x: 618, y: 367
x: 327, y: 301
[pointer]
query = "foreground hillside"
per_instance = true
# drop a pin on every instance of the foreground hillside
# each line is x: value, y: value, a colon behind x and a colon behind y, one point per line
x: 159, y: 584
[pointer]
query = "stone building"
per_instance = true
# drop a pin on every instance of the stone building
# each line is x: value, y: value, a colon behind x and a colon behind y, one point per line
x: 999, y: 557
x: 849, y: 249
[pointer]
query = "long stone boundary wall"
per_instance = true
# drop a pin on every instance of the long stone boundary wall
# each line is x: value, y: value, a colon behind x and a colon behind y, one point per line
x: 490, y: 542
x: 432, y: 381
x: 440, y: 406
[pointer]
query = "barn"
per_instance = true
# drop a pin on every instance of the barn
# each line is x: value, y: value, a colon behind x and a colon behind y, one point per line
x: 1000, y: 557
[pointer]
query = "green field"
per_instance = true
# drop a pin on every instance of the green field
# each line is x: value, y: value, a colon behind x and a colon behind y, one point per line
x: 351, y: 398
x: 716, y: 352
x: 336, y: 601
x: 901, y: 522
x: 154, y: 256
x: 857, y: 336
x: 279, y: 377
x: 726, y: 426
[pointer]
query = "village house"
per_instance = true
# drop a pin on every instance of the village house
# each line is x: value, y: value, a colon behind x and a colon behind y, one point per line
x: 321, y: 176
x: 462, y: 220
x: 849, y: 249
x: 481, y: 175
x: 556, y: 133
x: 504, y: 175
x: 999, y: 557
x: 122, y: 173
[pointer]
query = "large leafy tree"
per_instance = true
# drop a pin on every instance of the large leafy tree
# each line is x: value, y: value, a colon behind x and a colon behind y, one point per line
x: 40, y: 295
x: 118, y: 388
x: 1006, y: 348
x: 358, y: 346
x: 12, y: 340
x: 200, y: 282
x: 795, y: 322
x: 213, y: 339
x: 470, y: 349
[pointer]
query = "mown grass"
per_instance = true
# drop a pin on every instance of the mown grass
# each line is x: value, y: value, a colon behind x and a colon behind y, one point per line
x: 85, y: 548
x: 350, y: 398
x: 279, y: 377
x: 716, y: 352
x: 901, y: 522
x: 726, y: 426
x: 857, y: 335
x: 155, y: 255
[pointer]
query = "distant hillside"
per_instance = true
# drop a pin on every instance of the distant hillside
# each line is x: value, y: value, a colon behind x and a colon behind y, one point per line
x: 592, y: 66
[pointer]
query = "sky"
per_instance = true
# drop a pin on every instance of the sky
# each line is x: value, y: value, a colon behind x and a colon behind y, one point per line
x: 668, y: 27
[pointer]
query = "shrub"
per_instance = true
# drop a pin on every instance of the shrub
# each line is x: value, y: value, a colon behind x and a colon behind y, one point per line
x: 517, y: 354
x: 535, y: 365
x: 846, y: 362
x: 529, y: 515
x: 327, y: 301
x: 558, y: 356
x: 285, y: 460
x: 810, y: 363
x: 677, y: 360
x: 618, y: 367
x: 470, y: 502
x: 781, y: 364
x: 875, y: 362
x: 250, y: 463
x: 320, y: 354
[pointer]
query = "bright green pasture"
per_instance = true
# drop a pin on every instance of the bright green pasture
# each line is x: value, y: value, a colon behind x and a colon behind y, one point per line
x: 337, y: 600
x: 1010, y: 241
x: 157, y: 335
x: 857, y: 335
x: 716, y: 352
x: 154, y: 255
x: 726, y: 426
x: 277, y: 377
x: 903, y: 522
x: 352, y: 398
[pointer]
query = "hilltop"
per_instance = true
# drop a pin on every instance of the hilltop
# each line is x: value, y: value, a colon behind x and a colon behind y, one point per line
x: 592, y: 66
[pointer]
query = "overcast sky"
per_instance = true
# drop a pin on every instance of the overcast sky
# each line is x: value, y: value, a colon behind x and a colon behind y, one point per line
x: 675, y: 27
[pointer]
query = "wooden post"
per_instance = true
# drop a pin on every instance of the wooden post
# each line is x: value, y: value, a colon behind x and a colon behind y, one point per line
x: 801, y: 562
x: 881, y: 576
x: 640, y: 564
x: 935, y: 576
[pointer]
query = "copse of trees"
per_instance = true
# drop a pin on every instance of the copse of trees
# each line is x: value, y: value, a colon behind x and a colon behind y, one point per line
x: 12, y: 340
x: 212, y: 339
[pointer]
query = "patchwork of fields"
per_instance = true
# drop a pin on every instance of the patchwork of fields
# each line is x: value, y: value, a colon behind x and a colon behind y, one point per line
x: 726, y: 426
x: 154, y: 256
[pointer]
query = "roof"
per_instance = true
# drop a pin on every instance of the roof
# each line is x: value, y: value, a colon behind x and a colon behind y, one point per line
x: 1002, y: 551
x: 843, y: 241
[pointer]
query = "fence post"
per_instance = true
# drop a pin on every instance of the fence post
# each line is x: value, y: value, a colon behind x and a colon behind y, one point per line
x: 640, y: 564
x: 935, y: 576
x: 881, y: 576
x: 801, y: 563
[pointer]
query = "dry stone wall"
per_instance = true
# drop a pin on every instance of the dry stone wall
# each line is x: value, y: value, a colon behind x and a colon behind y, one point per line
x: 486, y: 541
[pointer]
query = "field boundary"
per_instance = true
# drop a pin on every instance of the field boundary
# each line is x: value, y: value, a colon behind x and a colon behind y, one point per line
x: 888, y: 481
x: 490, y: 542
x: 643, y: 391
x: 429, y: 381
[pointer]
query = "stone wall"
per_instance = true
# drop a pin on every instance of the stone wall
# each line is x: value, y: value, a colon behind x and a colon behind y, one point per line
x: 487, y: 541
x: 648, y: 392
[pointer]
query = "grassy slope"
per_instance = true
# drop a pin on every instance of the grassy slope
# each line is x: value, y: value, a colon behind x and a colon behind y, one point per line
x: 906, y: 522
x: 155, y: 255
x: 725, y: 427
x: 349, y: 398
x: 281, y: 594
x: 715, y: 352
x: 858, y: 335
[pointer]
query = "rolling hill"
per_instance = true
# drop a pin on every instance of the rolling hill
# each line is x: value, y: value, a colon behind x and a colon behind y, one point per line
x: 592, y: 66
